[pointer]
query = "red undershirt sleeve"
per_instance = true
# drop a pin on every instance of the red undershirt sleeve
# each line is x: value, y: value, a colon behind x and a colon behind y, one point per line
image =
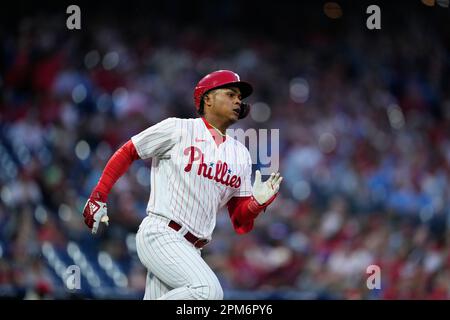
x: 241, y: 218
x: 117, y: 165
x: 244, y: 210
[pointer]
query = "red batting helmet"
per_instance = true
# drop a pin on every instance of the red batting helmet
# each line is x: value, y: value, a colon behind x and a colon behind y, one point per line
x: 220, y: 79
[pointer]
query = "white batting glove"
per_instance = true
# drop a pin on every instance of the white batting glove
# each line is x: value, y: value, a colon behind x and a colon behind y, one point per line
x: 100, y: 216
x: 263, y: 191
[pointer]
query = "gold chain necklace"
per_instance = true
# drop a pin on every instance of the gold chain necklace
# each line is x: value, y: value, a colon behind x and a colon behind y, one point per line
x: 218, y: 131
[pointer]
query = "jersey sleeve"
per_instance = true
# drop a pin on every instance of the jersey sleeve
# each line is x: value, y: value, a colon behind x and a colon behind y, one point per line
x: 245, y: 189
x: 157, y: 140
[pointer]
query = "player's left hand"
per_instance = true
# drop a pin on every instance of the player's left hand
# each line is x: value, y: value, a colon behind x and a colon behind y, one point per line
x: 263, y: 191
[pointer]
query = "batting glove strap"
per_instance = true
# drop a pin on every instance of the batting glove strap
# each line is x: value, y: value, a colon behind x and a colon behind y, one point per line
x: 255, y: 208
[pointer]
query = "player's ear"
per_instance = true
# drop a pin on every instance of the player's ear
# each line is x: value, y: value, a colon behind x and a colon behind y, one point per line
x: 207, y: 101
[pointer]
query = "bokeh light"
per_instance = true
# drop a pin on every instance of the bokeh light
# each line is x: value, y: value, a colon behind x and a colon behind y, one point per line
x: 260, y: 112
x: 332, y: 10
x: 82, y: 150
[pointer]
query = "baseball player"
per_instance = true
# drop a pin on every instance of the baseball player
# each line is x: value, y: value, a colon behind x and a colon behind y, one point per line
x: 196, y: 170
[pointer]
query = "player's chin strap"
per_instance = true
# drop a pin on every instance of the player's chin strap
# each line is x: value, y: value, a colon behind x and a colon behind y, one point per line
x: 245, y: 110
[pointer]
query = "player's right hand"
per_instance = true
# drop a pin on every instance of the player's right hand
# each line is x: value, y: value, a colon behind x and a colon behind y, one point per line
x: 95, y: 211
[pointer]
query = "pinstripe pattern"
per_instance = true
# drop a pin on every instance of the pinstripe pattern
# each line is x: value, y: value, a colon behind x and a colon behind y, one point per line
x: 190, y: 193
x: 175, y: 263
x: 154, y: 287
x: 186, y: 197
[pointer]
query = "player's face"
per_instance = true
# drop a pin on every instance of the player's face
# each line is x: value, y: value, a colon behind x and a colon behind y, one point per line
x: 226, y: 103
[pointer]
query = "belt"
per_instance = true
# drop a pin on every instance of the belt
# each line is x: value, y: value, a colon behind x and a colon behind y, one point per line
x: 197, y: 242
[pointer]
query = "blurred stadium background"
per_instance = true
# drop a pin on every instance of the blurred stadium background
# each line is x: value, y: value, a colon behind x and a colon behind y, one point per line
x: 364, y: 119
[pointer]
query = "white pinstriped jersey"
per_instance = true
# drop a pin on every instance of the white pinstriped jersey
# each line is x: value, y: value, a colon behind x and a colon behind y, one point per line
x: 192, y: 177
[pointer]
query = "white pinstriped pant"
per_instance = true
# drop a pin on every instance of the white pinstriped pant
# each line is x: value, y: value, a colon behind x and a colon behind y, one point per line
x: 175, y: 268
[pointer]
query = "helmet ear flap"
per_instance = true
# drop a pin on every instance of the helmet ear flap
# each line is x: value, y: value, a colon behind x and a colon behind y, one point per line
x: 245, y: 110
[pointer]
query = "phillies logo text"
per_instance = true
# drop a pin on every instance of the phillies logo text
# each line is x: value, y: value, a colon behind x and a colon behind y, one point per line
x: 222, y: 173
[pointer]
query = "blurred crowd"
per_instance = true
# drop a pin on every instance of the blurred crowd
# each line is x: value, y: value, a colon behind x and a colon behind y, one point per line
x: 364, y: 123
